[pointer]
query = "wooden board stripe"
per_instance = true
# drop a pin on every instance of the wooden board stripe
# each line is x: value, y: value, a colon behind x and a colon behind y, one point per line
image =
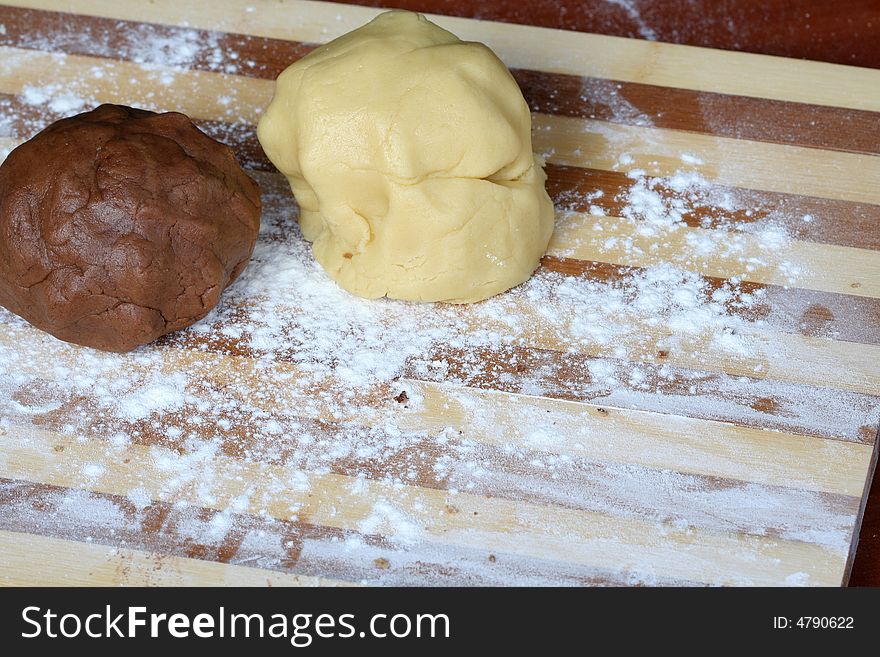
x: 75, y: 563
x: 156, y: 527
x: 576, y: 237
x: 74, y: 34
x: 200, y: 94
x: 724, y: 115
x: 707, y: 447
x: 529, y: 47
x: 519, y: 472
x: 666, y: 441
x: 811, y: 27
x: 755, y: 165
x: 300, y: 548
x: 316, y: 551
x: 566, y: 535
x: 551, y: 93
x: 743, y: 401
x: 781, y: 356
x: 737, y: 399
x: 839, y: 316
x: 295, y: 547
x: 778, y: 356
x: 844, y: 223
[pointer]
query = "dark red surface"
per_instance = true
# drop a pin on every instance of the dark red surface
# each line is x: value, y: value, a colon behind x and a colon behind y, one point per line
x: 866, y: 567
x: 843, y: 32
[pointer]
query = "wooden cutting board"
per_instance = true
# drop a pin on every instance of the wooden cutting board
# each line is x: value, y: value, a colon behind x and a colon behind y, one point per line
x: 729, y: 442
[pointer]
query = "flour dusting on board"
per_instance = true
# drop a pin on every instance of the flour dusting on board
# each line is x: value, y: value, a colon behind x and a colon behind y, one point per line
x: 298, y: 428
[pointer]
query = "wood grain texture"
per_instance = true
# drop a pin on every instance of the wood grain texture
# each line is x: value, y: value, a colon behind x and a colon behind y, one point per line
x: 518, y: 528
x: 31, y: 510
x: 90, y: 564
x: 574, y: 237
x: 719, y: 470
x: 834, y: 222
x: 809, y: 312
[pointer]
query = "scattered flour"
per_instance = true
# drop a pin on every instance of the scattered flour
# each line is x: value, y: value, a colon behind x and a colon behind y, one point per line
x: 161, y: 393
x: 632, y: 10
x: 798, y: 579
x: 92, y: 510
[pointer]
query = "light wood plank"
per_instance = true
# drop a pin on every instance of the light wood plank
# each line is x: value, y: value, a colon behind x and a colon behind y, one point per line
x: 808, y: 265
x: 655, y: 440
x: 558, y: 51
x: 32, y: 560
x: 200, y: 94
x: 419, y: 515
x: 770, y: 355
x: 736, y: 162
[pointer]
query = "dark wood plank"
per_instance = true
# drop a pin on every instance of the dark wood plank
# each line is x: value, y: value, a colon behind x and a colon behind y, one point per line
x: 591, y: 485
x: 725, y: 115
x: 714, y: 396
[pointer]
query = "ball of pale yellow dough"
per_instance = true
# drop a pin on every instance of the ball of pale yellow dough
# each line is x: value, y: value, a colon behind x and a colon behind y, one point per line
x: 409, y: 152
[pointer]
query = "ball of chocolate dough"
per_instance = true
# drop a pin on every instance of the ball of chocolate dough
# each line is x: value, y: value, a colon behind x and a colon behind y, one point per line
x: 120, y: 225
